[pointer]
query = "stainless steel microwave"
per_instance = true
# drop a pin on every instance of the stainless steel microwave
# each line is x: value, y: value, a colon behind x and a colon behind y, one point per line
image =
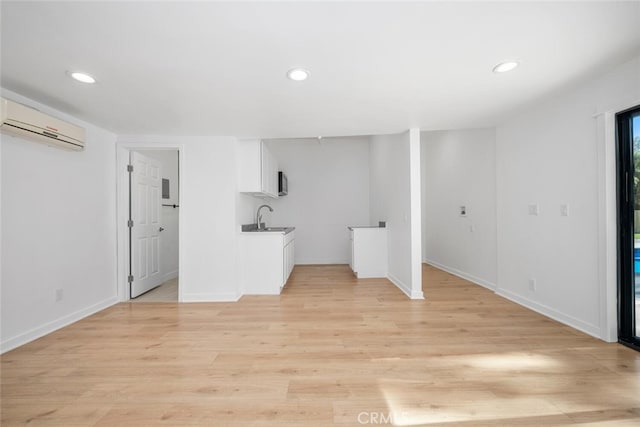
x: 283, y: 184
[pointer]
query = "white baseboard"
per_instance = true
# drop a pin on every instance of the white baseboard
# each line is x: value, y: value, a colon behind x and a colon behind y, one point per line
x: 463, y: 275
x: 170, y: 276
x: 524, y: 301
x: 211, y: 297
x: 551, y: 313
x: 405, y: 288
x: 322, y: 261
x: 47, y: 328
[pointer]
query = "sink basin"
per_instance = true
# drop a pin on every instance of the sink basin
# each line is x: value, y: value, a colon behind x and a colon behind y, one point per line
x: 284, y: 230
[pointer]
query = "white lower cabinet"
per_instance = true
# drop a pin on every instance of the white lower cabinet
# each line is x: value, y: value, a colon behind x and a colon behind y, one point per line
x: 289, y: 259
x: 368, y: 251
x: 266, y: 261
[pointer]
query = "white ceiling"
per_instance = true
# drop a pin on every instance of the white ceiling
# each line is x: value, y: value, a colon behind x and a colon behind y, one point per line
x: 213, y: 68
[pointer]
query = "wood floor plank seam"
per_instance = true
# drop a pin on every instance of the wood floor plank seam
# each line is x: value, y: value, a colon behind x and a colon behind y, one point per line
x: 331, y: 350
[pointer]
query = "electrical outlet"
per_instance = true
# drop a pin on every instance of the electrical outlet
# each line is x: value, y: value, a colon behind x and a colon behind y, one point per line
x: 564, y: 210
x: 59, y: 295
x: 534, y: 209
x: 532, y: 285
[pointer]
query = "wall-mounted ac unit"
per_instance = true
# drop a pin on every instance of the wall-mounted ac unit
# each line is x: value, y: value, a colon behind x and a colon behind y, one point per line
x: 20, y: 120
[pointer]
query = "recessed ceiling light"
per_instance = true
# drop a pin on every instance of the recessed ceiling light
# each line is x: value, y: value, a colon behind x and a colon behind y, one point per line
x: 82, y: 77
x: 503, y: 67
x: 298, y: 74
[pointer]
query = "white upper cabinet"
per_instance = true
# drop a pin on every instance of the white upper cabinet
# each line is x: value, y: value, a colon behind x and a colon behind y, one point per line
x: 257, y: 169
x: 269, y: 172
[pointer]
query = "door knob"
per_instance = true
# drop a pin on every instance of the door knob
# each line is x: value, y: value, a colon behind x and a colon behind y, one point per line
x: 161, y: 229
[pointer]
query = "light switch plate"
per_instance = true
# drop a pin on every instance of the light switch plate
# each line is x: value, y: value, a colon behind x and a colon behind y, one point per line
x: 533, y: 209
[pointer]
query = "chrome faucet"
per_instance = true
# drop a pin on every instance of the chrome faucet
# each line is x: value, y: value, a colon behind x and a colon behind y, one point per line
x: 259, y: 217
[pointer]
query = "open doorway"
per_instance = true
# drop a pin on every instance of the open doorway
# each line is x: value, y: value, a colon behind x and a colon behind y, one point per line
x: 153, y: 224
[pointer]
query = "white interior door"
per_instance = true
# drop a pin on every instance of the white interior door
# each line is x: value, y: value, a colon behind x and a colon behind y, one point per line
x: 145, y: 234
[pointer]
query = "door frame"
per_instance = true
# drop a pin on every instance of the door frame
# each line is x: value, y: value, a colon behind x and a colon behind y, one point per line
x: 626, y: 272
x: 123, y: 150
x: 608, y: 216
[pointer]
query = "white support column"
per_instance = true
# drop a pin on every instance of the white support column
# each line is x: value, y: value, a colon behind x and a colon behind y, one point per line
x: 416, y: 214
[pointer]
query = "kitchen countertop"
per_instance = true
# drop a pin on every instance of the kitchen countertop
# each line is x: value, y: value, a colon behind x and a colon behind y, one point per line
x: 381, y: 224
x: 253, y: 229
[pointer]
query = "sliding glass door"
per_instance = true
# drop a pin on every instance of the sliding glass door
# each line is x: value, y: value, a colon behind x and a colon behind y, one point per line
x: 628, y: 140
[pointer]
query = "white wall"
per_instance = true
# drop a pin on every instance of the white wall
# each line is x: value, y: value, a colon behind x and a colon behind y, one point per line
x: 58, y: 231
x: 548, y: 155
x: 390, y: 200
x: 246, y: 206
x: 169, y: 216
x: 459, y: 169
x: 209, y: 214
x: 208, y: 271
x: 328, y: 191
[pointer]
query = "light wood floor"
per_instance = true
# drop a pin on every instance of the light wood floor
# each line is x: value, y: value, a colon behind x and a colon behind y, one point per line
x: 332, y: 350
x: 166, y: 292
